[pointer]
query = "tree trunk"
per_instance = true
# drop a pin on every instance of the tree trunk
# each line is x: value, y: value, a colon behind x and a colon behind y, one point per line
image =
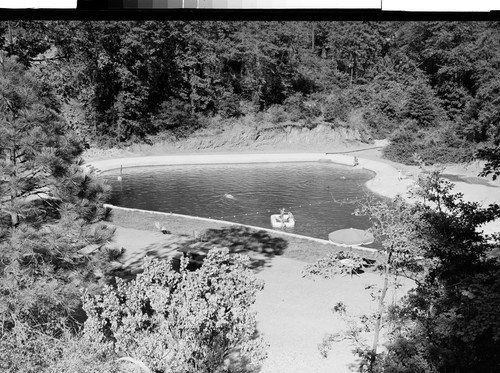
x: 11, y: 43
x: 312, y: 38
x: 14, y: 216
x: 380, y: 311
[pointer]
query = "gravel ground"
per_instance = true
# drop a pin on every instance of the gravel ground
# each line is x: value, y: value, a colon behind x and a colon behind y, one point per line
x: 293, y: 312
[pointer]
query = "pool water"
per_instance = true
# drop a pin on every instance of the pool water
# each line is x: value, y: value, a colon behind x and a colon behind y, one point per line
x: 320, y: 195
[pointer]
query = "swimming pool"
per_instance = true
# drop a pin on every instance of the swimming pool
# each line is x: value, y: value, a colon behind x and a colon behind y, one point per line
x: 320, y: 195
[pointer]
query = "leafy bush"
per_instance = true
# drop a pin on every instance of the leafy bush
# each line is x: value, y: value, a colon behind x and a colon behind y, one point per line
x: 384, y: 110
x: 196, y: 321
x: 229, y: 106
x: 336, y: 108
x: 404, y: 143
x: 299, y: 108
x: 176, y: 117
x: 380, y: 125
x: 434, y: 145
x: 42, y: 353
x: 276, y: 114
x: 294, y: 106
x: 449, y: 321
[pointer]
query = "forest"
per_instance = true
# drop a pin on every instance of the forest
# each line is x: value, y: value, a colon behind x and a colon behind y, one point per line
x: 431, y: 88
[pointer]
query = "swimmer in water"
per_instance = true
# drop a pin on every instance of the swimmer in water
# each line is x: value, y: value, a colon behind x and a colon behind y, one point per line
x: 229, y: 196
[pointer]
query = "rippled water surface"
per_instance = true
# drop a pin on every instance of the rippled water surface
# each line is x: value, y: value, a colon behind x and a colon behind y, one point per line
x: 312, y: 191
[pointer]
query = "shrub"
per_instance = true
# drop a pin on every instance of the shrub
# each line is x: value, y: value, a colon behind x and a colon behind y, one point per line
x: 276, y: 114
x: 299, y: 108
x: 294, y: 106
x: 434, y: 145
x: 176, y: 117
x: 380, y: 125
x: 196, y: 321
x: 336, y: 108
x: 229, y: 106
x: 402, y: 146
x: 39, y: 352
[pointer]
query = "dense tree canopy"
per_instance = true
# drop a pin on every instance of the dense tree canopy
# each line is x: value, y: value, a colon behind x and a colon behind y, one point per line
x: 135, y: 79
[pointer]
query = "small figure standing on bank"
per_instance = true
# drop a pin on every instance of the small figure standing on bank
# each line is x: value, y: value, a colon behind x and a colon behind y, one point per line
x: 355, y: 161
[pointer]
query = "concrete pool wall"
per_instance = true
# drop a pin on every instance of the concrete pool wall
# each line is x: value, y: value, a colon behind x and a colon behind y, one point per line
x: 365, y: 252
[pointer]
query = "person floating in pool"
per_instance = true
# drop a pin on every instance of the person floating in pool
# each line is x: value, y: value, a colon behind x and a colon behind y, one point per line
x: 282, y: 216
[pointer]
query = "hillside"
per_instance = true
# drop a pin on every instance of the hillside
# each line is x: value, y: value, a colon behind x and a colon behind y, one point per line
x: 430, y: 87
x: 247, y: 138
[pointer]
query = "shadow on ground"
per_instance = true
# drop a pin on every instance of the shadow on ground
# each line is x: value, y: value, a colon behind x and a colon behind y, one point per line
x: 257, y: 244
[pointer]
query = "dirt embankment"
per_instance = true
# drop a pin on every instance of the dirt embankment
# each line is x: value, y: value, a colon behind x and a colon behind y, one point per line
x: 281, y: 136
x: 248, y: 138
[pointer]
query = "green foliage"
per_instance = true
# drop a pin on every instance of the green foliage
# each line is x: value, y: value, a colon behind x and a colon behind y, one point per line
x: 43, y: 353
x: 357, y: 47
x: 392, y: 225
x: 135, y: 79
x: 342, y: 263
x: 439, y: 145
x: 404, y: 143
x: 300, y: 108
x: 276, y: 114
x: 492, y: 157
x: 229, y: 106
x: 176, y: 117
x: 37, y: 152
x: 449, y: 322
x: 385, y: 104
x: 50, y: 243
x: 335, y: 108
x: 421, y: 105
x: 181, y: 322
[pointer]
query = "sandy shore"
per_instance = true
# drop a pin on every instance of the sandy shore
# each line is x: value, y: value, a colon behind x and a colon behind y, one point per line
x: 294, y: 313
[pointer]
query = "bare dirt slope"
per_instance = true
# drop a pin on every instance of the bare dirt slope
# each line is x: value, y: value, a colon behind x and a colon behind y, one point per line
x: 247, y: 138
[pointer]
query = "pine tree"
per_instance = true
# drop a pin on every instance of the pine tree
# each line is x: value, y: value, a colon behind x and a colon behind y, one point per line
x: 422, y: 105
x: 51, y: 231
x: 36, y: 150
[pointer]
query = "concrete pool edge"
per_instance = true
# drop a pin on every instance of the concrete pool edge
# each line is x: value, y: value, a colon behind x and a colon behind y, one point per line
x: 365, y: 252
x: 387, y: 181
